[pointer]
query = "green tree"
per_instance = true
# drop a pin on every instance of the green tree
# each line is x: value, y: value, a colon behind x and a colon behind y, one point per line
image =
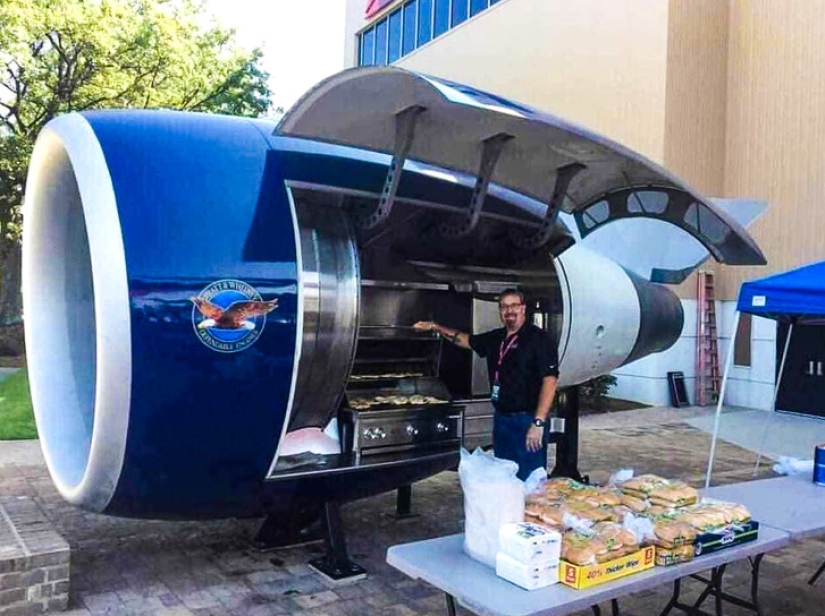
x: 58, y: 56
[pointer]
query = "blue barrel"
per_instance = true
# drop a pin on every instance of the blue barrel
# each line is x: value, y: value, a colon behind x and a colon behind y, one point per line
x: 819, y: 465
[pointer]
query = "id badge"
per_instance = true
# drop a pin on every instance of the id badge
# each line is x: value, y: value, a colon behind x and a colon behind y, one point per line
x: 494, y: 392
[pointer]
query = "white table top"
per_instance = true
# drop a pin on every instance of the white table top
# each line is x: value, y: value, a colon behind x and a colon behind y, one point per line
x: 793, y: 504
x: 442, y: 563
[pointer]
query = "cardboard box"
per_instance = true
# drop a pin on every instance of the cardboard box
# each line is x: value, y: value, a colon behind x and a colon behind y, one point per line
x: 528, y: 576
x: 580, y: 577
x: 725, y: 538
x: 529, y: 543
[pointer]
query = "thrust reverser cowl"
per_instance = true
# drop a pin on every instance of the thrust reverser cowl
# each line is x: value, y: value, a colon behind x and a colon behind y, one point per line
x: 371, y: 108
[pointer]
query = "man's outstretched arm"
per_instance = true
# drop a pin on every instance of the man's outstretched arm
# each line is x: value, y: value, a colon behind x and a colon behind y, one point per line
x: 453, y: 335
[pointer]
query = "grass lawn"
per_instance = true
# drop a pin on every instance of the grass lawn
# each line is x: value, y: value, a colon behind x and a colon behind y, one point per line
x: 16, y: 416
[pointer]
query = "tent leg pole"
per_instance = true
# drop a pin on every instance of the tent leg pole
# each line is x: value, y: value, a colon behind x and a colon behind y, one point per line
x: 728, y: 364
x: 769, y: 421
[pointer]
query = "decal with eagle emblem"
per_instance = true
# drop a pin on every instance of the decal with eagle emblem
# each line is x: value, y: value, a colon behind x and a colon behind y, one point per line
x: 229, y: 315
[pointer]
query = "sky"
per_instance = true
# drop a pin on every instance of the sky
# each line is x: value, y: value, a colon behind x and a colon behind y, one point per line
x: 302, y: 40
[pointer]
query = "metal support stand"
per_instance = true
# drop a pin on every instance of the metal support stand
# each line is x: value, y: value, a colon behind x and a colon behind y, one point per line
x: 816, y: 575
x: 490, y: 151
x: 567, y: 444
x: 564, y: 176
x: 302, y: 525
x: 450, y: 605
x: 403, y: 504
x: 336, y: 565
x: 614, y: 608
x: 404, y: 130
x: 713, y: 587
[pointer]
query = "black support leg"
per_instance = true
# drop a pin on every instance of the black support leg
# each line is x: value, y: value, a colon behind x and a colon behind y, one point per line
x: 755, y: 583
x: 718, y: 595
x: 403, y: 500
x: 674, y: 598
x: 336, y: 565
x: 816, y: 575
x: 303, y: 524
x: 567, y: 444
x: 614, y: 608
x: 450, y: 605
x: 714, y: 587
x: 403, y: 503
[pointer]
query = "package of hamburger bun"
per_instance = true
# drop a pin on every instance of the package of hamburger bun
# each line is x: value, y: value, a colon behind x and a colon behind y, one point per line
x: 737, y: 513
x: 643, y: 485
x: 671, y: 533
x: 582, y: 548
x: 674, y: 494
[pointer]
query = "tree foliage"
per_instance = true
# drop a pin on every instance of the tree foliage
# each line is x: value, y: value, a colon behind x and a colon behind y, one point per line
x: 594, y: 392
x: 58, y: 56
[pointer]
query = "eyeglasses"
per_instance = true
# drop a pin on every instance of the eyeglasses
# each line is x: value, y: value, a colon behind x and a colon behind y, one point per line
x: 506, y: 307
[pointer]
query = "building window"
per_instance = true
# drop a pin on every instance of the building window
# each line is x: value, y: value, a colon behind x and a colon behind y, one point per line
x: 425, y: 21
x: 742, y: 343
x: 367, y: 47
x: 409, y: 28
x: 441, y: 17
x: 412, y: 24
x: 394, y: 44
x: 476, y: 6
x: 381, y: 42
x: 460, y: 12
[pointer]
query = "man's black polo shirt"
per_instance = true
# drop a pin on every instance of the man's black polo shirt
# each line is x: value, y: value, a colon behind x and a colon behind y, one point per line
x: 532, y: 357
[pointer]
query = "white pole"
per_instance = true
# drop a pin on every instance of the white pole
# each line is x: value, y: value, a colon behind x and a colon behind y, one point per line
x: 769, y: 421
x: 728, y: 364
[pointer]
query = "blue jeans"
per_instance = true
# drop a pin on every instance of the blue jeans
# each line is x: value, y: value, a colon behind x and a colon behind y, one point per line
x: 510, y: 442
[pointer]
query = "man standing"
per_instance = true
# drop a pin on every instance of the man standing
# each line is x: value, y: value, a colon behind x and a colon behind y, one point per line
x: 522, y: 363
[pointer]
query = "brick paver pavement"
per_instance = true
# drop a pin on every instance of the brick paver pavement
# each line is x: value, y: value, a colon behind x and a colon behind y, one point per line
x: 145, y: 568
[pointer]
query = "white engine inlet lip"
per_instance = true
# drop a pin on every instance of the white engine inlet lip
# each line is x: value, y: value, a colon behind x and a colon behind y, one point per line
x: 70, y: 140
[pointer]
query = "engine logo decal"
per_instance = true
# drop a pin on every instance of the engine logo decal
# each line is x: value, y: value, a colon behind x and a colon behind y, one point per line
x: 229, y: 315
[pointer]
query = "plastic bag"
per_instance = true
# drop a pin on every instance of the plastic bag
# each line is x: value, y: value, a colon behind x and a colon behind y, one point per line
x: 620, y: 476
x: 493, y: 496
x: 536, y: 480
x: 793, y: 466
x: 642, y: 528
x: 577, y: 524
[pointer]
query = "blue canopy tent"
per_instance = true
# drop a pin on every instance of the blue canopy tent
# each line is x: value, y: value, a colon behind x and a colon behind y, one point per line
x: 795, y: 297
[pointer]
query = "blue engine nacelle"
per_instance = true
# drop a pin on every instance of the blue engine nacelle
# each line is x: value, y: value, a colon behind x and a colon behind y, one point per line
x: 131, y: 216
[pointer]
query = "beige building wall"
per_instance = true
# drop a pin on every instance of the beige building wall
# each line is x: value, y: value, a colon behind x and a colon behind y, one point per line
x: 354, y: 21
x: 695, y: 100
x: 775, y: 137
x: 695, y: 93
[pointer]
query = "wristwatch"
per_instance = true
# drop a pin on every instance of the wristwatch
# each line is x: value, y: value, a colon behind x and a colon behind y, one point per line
x: 538, y: 422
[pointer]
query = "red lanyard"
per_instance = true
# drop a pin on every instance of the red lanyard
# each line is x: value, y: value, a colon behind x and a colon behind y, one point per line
x: 502, y: 351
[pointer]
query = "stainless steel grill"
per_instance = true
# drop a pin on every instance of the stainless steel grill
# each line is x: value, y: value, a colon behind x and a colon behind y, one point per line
x: 394, y: 399
x: 399, y: 420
